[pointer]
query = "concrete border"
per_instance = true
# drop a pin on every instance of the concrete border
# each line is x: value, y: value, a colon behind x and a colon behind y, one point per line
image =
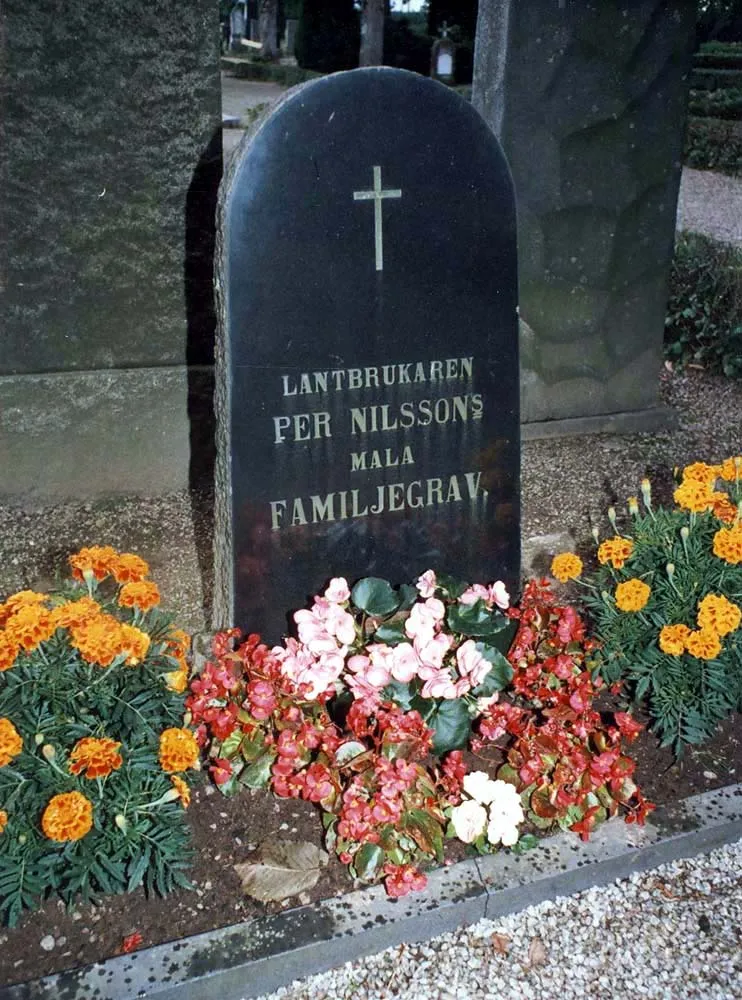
x: 258, y: 956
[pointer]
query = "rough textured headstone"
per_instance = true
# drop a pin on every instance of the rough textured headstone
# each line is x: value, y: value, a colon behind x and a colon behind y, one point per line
x: 110, y: 159
x: 588, y: 99
x: 368, y: 384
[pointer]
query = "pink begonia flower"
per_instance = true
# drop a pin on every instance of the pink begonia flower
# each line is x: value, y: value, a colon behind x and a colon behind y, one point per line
x: 341, y: 625
x: 358, y: 663
x: 379, y: 671
x: 439, y: 685
x: 313, y: 633
x: 469, y: 820
x: 363, y: 691
x: 471, y: 663
x: 338, y: 591
x: 426, y: 583
x: 463, y: 686
x: 298, y: 664
x: 436, y: 608
x: 495, y: 594
x: 432, y: 653
x: 404, y: 663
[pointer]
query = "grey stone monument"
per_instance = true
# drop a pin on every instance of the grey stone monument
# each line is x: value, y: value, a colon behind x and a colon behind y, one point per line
x: 588, y: 100
x: 110, y: 158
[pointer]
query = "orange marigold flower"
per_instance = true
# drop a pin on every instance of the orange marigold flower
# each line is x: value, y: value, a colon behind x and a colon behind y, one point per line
x: 728, y: 544
x: 672, y: 639
x: 95, y: 756
x: 177, y: 680
x: 29, y: 626
x: 95, y: 561
x: 704, y: 644
x: 566, y: 566
x: 11, y: 742
x: 724, y: 509
x: 615, y: 551
x: 3, y: 820
x: 178, y: 643
x: 142, y: 594
x: 632, y: 595
x: 134, y: 643
x: 75, y: 613
x: 8, y: 651
x: 696, y: 496
x: 718, y: 614
x: 22, y: 599
x: 98, y: 640
x: 181, y: 787
x: 128, y: 568
x: 178, y: 750
x: 731, y: 469
x: 702, y: 473
x: 68, y: 816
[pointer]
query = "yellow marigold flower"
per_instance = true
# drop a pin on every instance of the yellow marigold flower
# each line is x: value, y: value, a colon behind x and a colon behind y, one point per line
x: 23, y: 599
x: 9, y: 648
x: 178, y: 750
x: 632, y: 595
x: 11, y: 742
x: 98, y: 640
x: 95, y: 756
x: 128, y: 568
x: 3, y: 820
x: 95, y: 561
x: 704, y: 644
x: 724, y: 509
x: 731, y: 469
x: 672, y: 639
x: 702, y: 473
x: 566, y: 566
x: 178, y: 643
x: 615, y: 550
x: 76, y: 613
x: 718, y: 614
x: 181, y: 787
x: 177, y: 680
x: 134, y: 643
x: 142, y: 594
x: 728, y: 544
x: 68, y: 816
x: 30, y: 625
x: 696, y: 496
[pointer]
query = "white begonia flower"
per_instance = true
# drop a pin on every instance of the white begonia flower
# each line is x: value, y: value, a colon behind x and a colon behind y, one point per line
x: 469, y: 820
x: 480, y: 786
x: 505, y: 813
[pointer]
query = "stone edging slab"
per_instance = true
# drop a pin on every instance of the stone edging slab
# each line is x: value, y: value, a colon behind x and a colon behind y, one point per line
x: 258, y: 956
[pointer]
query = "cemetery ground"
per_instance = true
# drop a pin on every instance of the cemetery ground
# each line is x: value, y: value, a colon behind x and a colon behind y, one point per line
x: 566, y: 489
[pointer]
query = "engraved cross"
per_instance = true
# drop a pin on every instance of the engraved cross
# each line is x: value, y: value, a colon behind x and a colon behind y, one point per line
x: 377, y: 194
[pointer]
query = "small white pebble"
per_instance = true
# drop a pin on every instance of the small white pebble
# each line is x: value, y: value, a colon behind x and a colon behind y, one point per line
x: 47, y: 942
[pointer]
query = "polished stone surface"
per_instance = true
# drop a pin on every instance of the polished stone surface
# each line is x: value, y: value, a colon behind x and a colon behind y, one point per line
x: 368, y: 392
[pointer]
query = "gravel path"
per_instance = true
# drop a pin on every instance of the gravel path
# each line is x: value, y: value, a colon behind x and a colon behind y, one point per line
x: 673, y: 933
x: 711, y: 204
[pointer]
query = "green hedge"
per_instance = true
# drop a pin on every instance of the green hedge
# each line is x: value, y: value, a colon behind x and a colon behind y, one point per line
x: 725, y: 103
x: 714, y: 144
x: 263, y: 72
x: 704, y: 312
x: 715, y: 79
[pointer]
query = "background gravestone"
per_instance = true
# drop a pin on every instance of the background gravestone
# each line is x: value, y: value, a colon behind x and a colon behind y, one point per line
x: 588, y: 99
x: 368, y: 385
x: 110, y: 158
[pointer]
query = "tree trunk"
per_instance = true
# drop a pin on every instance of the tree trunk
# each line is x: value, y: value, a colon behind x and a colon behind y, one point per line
x: 268, y: 28
x: 372, y: 33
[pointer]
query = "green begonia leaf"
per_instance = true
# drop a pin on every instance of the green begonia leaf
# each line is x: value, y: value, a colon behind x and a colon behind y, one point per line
x: 475, y: 619
x: 375, y: 596
x: 367, y: 861
x: 499, y: 676
x: 451, y: 723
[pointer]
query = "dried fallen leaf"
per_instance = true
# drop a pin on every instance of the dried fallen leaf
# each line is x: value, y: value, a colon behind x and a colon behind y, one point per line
x: 501, y: 943
x: 536, y: 952
x: 285, y: 868
x: 131, y: 942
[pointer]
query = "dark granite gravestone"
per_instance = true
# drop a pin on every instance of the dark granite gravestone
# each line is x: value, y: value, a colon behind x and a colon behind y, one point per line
x: 368, y: 378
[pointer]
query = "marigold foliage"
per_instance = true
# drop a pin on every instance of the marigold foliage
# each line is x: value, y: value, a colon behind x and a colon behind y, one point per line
x: 683, y: 652
x: 83, y: 701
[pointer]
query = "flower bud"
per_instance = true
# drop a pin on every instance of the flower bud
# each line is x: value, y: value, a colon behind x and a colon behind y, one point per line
x: 670, y: 570
x: 38, y: 739
x: 612, y: 518
x: 169, y: 796
x: 646, y: 488
x: 596, y: 535
x: 633, y: 503
x: 22, y: 839
x: 120, y: 821
x: 684, y: 533
x: 48, y: 752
